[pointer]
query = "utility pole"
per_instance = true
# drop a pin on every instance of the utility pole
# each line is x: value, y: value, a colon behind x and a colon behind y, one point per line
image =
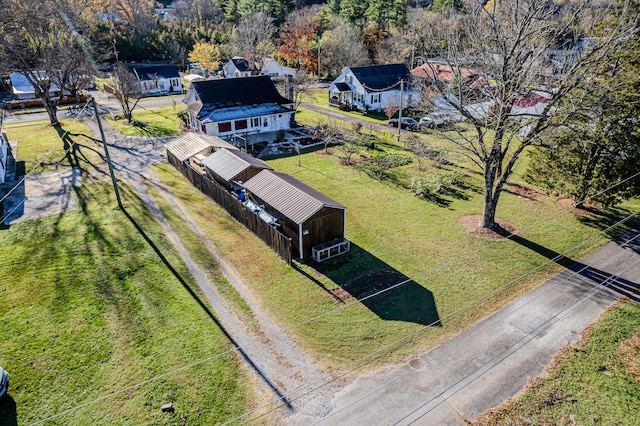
x: 400, y: 110
x: 106, y: 152
x: 318, y: 57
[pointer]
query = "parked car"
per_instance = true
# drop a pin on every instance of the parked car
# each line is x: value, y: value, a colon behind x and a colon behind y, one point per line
x: 407, y: 123
x: 4, y: 381
x: 441, y: 118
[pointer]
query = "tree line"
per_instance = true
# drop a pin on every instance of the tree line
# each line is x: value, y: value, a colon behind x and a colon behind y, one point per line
x: 583, y: 139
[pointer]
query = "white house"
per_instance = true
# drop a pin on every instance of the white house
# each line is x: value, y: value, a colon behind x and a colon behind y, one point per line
x: 237, y: 106
x: 236, y: 67
x: 21, y: 88
x: 276, y: 71
x: 158, y: 79
x: 373, y: 88
x: 4, y: 148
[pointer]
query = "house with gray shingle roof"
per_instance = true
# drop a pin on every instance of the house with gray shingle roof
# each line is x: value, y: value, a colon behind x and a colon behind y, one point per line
x: 373, y: 88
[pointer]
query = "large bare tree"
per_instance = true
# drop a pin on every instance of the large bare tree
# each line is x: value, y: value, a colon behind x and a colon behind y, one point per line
x: 39, y: 41
x: 341, y: 47
x: 252, y: 39
x: 506, y: 45
x: 127, y: 90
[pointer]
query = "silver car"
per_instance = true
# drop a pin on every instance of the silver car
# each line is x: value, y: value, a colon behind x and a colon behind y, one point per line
x: 4, y: 381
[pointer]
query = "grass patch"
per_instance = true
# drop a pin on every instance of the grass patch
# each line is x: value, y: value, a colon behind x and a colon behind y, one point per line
x: 588, y: 383
x: 149, y: 122
x: 395, y: 237
x: 203, y: 258
x: 41, y: 148
x: 88, y: 308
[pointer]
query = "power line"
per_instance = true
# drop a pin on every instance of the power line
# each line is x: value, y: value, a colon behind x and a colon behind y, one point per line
x: 599, y: 287
x: 284, y: 330
x: 427, y: 327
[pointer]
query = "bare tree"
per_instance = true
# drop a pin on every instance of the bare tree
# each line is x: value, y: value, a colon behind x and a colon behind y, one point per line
x: 508, y: 42
x: 37, y: 42
x: 298, y: 87
x: 127, y: 90
x: 252, y: 39
x: 341, y: 47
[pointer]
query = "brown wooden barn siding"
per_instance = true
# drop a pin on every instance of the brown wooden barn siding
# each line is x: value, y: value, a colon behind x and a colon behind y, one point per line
x: 325, y: 225
x: 278, y: 242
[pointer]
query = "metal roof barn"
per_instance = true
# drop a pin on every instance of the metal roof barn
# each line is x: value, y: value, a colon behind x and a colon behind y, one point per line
x: 307, y: 216
x: 227, y: 166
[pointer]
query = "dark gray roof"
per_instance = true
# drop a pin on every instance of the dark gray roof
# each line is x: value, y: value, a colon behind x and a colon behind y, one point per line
x: 240, y: 64
x: 288, y: 195
x: 233, y: 92
x: 230, y: 163
x: 190, y: 144
x: 152, y: 72
x: 381, y: 76
x: 343, y: 87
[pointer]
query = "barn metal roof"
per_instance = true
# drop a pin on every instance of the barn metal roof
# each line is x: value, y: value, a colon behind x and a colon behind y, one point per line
x: 191, y: 144
x: 230, y: 163
x: 288, y: 195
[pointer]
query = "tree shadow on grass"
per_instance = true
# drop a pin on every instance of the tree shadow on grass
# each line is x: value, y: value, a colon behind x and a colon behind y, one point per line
x: 8, y: 411
x: 584, y: 277
x: 208, y: 311
x: 384, y: 290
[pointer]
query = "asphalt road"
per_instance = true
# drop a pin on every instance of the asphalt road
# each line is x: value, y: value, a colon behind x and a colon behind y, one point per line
x: 106, y: 104
x: 494, y: 359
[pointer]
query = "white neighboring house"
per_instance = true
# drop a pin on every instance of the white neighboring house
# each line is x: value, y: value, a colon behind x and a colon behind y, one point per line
x: 373, y: 88
x: 22, y: 89
x: 158, y: 79
x: 4, y: 147
x: 236, y: 67
x: 276, y: 71
x: 237, y: 106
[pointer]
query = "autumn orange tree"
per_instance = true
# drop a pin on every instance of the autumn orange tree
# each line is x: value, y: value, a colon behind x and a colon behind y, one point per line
x: 299, y: 38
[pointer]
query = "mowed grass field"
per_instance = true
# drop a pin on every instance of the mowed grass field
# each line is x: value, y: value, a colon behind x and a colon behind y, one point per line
x: 593, y: 382
x: 89, y: 307
x: 450, y: 278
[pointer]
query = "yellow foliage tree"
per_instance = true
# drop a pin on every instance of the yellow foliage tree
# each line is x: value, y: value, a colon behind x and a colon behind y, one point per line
x: 206, y: 55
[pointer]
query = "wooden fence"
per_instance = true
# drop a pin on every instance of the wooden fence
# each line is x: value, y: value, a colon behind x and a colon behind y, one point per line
x: 267, y: 233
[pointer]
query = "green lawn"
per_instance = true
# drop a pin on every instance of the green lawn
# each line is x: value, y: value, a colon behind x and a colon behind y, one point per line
x: 41, y: 148
x: 150, y: 122
x: 395, y: 236
x: 595, y: 382
x: 88, y: 308
x: 321, y: 98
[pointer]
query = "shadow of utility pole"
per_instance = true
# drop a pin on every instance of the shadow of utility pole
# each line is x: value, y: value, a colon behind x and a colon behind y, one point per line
x: 204, y: 306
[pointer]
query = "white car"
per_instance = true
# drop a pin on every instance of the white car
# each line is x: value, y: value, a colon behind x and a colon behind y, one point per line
x: 4, y: 381
x: 441, y: 118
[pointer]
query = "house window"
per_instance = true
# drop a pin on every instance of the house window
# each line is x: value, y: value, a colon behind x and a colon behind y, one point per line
x: 265, y: 123
x: 375, y: 98
x: 348, y: 79
x: 255, y: 122
x: 240, y: 124
x: 224, y: 127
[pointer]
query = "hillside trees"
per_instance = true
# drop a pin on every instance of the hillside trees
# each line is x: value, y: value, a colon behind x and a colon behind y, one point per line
x: 252, y: 39
x: 509, y: 43
x: 598, y: 146
x: 341, y: 47
x: 38, y: 43
x: 299, y: 38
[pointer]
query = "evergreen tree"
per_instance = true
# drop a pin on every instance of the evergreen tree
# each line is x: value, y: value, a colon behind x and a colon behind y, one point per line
x: 443, y: 5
